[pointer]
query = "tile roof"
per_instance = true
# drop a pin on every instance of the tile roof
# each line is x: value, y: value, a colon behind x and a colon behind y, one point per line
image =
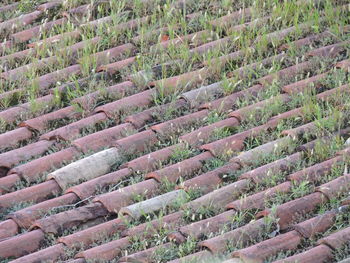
x: 174, y: 131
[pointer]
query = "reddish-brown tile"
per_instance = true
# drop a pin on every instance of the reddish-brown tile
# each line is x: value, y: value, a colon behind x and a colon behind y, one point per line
x: 203, y: 134
x: 107, y: 251
x: 337, y: 239
x: 57, y: 223
x: 91, y: 187
x: 140, y: 99
x: 72, y: 131
x: 242, y: 235
x: 8, y: 182
x: 21, y: 245
x: 50, y: 254
x: 86, y: 237
x: 8, y: 228
x: 261, y: 251
x: 150, y: 161
x: 209, y: 181
x: 171, y: 127
x: 42, y: 122
x: 33, y: 170
x: 228, y: 102
x: 315, y: 225
x: 14, y: 137
x: 258, y: 200
x: 319, y: 254
x: 117, y: 199
x: 181, y: 169
x: 221, y: 196
x: 26, y: 216
x: 207, y: 226
x: 260, y: 174
x: 35, y: 194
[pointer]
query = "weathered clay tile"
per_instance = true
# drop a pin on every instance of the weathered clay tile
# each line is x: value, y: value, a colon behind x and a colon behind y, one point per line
x: 145, y: 255
x: 344, y: 89
x: 20, y: 21
x: 208, y: 226
x: 249, y: 157
x: 154, y: 204
x: 140, y: 119
x: 227, y: 103
x: 245, y: 112
x: 14, y: 157
x: 26, y: 216
x: 328, y: 51
x: 117, y: 199
x: 231, y: 144
x: 318, y: 224
x: 320, y: 253
x: 87, y: 236
x: 8, y: 7
x: 50, y: 254
x: 8, y: 182
x: 201, y: 255
x: 261, y: 251
x: 258, y: 175
x: 216, y: 44
x: 209, y: 181
x: 234, y: 17
x: 87, y: 168
x: 184, y: 81
x: 221, y: 196
x: 35, y: 193
x: 150, y: 161
x: 239, y: 236
x: 34, y: 169
x: 291, y: 211
x: 249, y: 70
x: 51, y: 78
x: 345, y: 64
x: 42, y: 122
x: 12, y: 114
x: 107, y: 251
x: 148, y: 229
x: 203, y: 134
x: 140, y: 99
x: 89, y: 100
x: 72, y: 131
x: 105, y: 56
x: 194, y: 39
x: 337, y: 239
x: 21, y: 245
x: 301, y: 85
x: 49, y: 5
x: 137, y: 142
x: 28, y: 34
x: 335, y: 188
x: 57, y: 223
x: 258, y: 200
x: 305, y: 41
x: 89, y: 188
x: 56, y: 38
x: 181, y: 169
x: 170, y: 127
x: 288, y: 73
x: 14, y: 137
x: 103, y: 139
x: 315, y: 172
x: 8, y: 228
x: 203, y: 94
x: 114, y: 67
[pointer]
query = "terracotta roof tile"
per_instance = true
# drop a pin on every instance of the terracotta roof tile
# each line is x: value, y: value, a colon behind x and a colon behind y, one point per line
x: 141, y: 143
